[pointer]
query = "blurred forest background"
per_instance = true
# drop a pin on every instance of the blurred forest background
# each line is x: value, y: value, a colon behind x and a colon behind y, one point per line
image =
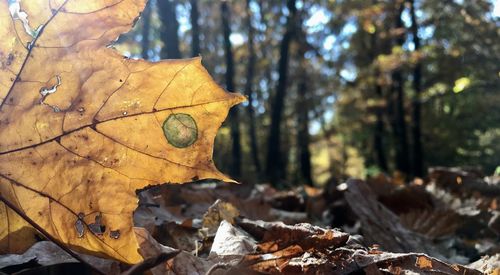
x: 340, y: 88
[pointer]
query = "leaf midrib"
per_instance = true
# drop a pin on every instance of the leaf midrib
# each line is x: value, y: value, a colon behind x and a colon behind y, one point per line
x: 94, y: 124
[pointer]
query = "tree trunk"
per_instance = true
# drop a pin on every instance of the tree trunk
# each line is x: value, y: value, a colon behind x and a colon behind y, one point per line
x: 303, y: 139
x: 169, y: 30
x: 302, y: 107
x: 398, y: 120
x: 233, y: 113
x: 195, y: 29
x: 249, y: 92
x: 146, y: 27
x: 378, y: 134
x: 418, y: 166
x: 275, y: 167
x: 264, y: 55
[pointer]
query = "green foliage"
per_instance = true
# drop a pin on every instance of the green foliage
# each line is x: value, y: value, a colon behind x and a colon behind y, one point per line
x: 351, y: 50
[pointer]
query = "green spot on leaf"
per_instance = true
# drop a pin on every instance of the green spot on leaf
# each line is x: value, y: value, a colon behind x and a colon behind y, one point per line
x: 180, y: 130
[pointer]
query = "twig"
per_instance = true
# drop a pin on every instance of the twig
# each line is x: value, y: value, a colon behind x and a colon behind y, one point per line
x: 147, y: 264
x: 47, y: 235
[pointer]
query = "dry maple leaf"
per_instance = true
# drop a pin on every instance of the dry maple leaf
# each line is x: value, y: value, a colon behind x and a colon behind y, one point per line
x: 82, y: 127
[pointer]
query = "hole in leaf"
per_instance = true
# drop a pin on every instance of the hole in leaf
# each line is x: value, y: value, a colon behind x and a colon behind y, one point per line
x: 114, y: 234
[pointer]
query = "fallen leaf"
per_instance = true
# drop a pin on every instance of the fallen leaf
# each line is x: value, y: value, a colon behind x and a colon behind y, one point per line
x: 461, y: 180
x: 276, y: 235
x: 186, y: 263
x: 149, y: 247
x: 82, y: 127
x: 47, y: 253
x: 152, y: 209
x: 347, y: 259
x: 218, y: 212
x: 487, y: 264
x: 231, y: 240
x: 272, y: 263
x: 402, y: 263
x: 150, y: 263
x: 181, y: 237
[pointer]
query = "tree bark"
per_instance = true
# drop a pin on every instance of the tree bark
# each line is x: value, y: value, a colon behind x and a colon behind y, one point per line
x: 234, y: 112
x: 418, y: 165
x: 195, y: 28
x: 169, y: 30
x: 378, y: 133
x: 398, y: 120
x: 303, y: 105
x: 265, y: 52
x: 146, y: 27
x: 303, y: 138
x: 252, y: 132
x: 275, y: 169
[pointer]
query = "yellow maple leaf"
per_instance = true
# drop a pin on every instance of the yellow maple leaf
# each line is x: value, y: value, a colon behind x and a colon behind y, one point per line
x: 82, y: 128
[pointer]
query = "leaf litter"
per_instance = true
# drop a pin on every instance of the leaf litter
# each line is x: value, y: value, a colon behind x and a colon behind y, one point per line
x: 207, y: 224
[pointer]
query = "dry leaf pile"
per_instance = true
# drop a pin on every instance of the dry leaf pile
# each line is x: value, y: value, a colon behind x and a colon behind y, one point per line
x: 220, y: 228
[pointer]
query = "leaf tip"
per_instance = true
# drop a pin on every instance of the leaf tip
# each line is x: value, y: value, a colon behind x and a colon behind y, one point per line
x: 237, y: 98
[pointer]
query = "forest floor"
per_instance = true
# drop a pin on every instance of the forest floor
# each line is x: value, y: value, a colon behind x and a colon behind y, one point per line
x: 448, y: 223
